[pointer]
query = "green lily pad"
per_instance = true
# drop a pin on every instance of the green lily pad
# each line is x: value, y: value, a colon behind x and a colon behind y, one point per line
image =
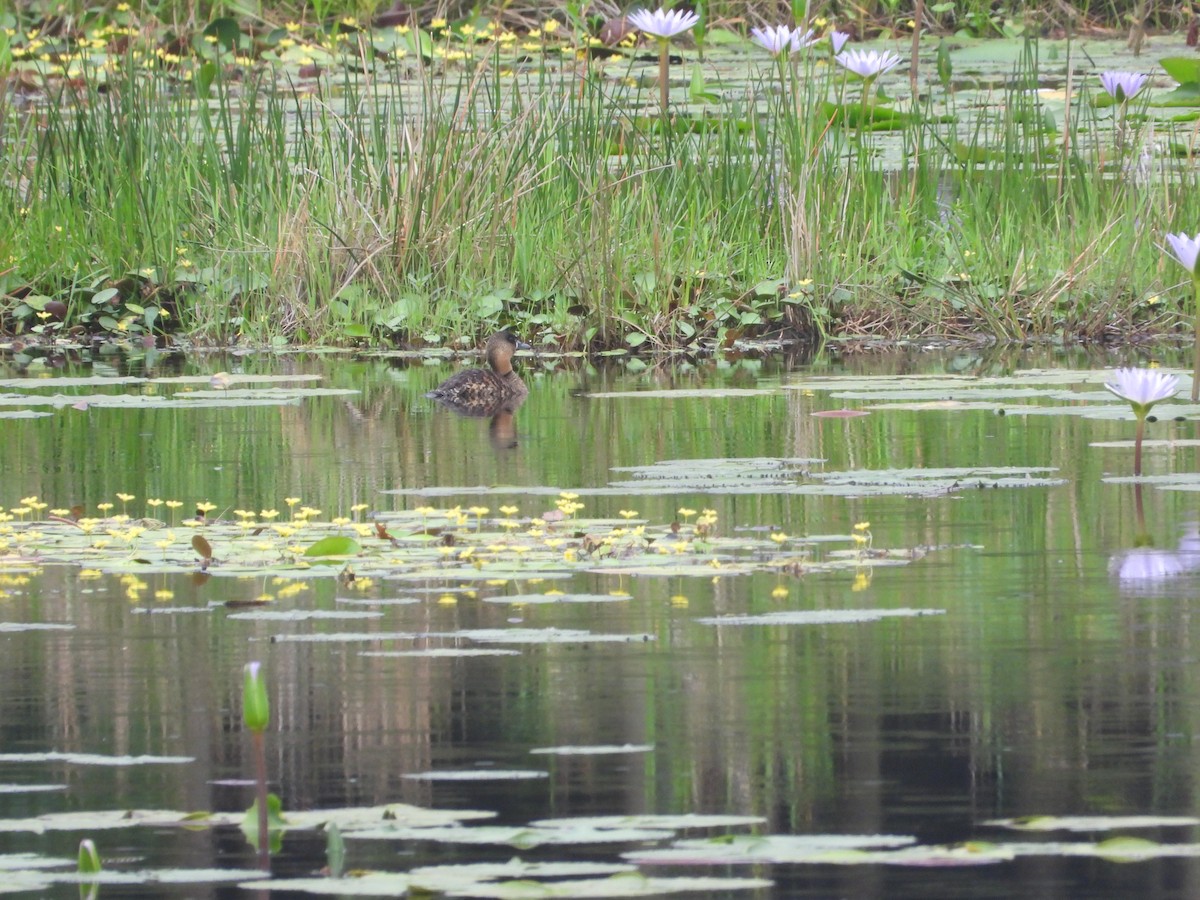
x: 334, y: 545
x: 1092, y: 823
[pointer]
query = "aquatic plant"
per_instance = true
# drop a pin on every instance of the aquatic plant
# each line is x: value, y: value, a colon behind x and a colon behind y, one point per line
x: 779, y: 40
x: 663, y: 25
x: 1142, y: 388
x: 256, y: 714
x: 1187, y: 251
x: 1122, y: 86
x: 867, y: 65
x: 837, y: 40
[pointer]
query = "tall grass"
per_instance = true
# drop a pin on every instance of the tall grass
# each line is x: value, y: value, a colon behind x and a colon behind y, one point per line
x: 402, y: 201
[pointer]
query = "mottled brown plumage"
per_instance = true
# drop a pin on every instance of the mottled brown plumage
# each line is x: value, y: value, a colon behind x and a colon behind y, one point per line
x: 484, y: 392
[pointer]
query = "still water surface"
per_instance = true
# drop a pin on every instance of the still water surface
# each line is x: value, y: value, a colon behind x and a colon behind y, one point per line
x: 1049, y: 685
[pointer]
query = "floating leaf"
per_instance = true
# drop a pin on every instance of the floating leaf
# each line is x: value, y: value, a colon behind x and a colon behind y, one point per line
x: 1092, y: 823
x: 515, y: 836
x: 479, y: 775
x: 820, y: 616
x: 678, y: 822
x: 777, y: 848
x: 202, y: 547
x: 334, y: 545
x: 93, y: 759
x: 594, y: 750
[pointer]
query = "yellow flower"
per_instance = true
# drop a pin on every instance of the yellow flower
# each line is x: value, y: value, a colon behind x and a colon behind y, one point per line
x: 780, y: 592
x: 439, y: 22
x: 550, y: 26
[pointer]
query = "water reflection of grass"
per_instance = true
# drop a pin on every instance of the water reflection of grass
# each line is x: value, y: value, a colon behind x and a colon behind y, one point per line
x: 412, y: 184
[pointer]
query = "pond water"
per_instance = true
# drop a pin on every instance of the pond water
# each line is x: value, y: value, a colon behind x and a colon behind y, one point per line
x: 994, y: 642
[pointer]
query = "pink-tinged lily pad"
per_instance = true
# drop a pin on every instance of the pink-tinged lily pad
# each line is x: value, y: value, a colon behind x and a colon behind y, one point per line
x: 436, y: 652
x: 479, y: 775
x: 840, y: 413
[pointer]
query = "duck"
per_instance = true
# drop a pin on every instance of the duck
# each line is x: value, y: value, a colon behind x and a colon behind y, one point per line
x: 484, y: 392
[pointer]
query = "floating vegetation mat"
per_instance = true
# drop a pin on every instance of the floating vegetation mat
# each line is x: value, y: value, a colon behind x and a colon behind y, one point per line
x: 454, y: 548
x: 729, y: 846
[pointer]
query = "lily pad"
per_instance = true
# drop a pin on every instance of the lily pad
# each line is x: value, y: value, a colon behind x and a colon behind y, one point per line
x: 1092, y: 823
x: 820, y: 616
x: 93, y: 759
x: 516, y: 836
x: 679, y: 822
x: 593, y: 750
x: 774, y: 848
x: 303, y: 615
x: 478, y: 775
x: 436, y: 652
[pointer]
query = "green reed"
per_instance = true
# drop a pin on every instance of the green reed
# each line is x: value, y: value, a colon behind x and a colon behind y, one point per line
x: 419, y: 202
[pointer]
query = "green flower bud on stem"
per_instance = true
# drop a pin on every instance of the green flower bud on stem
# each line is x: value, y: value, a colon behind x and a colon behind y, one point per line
x: 256, y: 707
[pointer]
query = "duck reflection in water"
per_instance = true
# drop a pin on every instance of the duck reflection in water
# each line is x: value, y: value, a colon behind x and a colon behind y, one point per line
x: 496, y: 392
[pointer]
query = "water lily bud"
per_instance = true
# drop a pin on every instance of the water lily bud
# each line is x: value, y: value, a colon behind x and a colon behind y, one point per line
x: 256, y: 708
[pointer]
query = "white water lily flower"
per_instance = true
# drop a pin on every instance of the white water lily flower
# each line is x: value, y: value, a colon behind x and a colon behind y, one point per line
x: 838, y: 40
x: 1142, y: 388
x: 777, y: 39
x: 868, y: 63
x: 663, y: 23
x: 1122, y: 85
x: 1185, y: 249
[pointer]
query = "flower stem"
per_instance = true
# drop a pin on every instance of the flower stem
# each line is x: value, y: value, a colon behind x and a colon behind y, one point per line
x: 1196, y: 338
x: 664, y: 62
x: 260, y: 797
x: 1137, y: 445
